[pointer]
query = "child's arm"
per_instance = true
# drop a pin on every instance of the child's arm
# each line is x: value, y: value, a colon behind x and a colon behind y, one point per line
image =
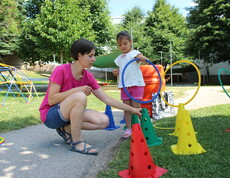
x: 142, y: 58
x: 116, y: 72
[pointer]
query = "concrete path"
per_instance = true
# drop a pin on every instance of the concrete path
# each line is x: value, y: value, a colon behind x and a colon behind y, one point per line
x: 40, y: 152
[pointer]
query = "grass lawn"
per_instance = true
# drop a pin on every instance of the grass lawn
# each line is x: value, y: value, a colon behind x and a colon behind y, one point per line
x: 209, y: 125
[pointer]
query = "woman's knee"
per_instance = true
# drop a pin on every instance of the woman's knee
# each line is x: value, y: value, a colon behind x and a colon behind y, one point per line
x: 79, y: 98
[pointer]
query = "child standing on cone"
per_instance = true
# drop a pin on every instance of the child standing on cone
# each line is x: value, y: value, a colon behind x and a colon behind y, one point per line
x: 133, y: 78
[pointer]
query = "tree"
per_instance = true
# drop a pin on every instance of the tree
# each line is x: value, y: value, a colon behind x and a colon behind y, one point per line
x: 133, y: 22
x: 100, y: 20
x: 164, y: 25
x: 210, y: 24
x: 58, y: 24
x: 9, y: 27
x: 52, y: 26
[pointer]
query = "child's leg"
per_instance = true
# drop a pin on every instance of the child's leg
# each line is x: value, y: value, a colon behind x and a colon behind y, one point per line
x: 127, y: 133
x: 127, y: 115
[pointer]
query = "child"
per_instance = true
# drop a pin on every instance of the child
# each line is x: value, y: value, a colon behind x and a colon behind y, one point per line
x: 133, y: 78
x: 64, y: 105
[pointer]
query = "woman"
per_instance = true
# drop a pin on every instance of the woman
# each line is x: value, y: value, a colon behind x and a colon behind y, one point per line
x: 64, y: 105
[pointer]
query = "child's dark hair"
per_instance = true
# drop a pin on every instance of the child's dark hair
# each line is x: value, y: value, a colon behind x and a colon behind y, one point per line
x: 123, y: 34
x: 82, y: 46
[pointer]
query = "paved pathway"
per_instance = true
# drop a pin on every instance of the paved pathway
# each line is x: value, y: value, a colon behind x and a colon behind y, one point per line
x: 40, y: 152
x: 206, y: 96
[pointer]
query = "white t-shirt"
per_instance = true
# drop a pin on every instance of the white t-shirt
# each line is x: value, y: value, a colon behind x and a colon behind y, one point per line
x: 133, y: 75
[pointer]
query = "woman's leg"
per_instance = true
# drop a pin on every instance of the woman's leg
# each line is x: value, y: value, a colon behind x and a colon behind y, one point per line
x: 94, y: 120
x: 73, y: 108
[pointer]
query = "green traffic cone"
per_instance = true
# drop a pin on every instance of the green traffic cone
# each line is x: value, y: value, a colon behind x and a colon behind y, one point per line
x: 148, y: 130
x: 134, y: 119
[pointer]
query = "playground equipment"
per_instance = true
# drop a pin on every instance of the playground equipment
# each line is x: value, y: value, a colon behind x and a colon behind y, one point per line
x: 1, y: 141
x: 152, y: 82
x: 148, y: 130
x: 219, y: 78
x: 187, y: 143
x: 11, y: 77
x: 123, y: 83
x: 108, y: 112
x: 141, y: 163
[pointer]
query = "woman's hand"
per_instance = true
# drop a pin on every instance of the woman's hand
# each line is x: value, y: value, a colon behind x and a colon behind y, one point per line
x: 86, y: 89
x: 136, y: 111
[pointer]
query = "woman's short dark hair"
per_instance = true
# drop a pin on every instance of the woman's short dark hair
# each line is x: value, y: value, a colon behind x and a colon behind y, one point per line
x: 82, y: 46
x: 123, y: 34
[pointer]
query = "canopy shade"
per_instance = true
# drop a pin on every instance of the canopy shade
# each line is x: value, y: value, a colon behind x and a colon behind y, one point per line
x: 106, y: 61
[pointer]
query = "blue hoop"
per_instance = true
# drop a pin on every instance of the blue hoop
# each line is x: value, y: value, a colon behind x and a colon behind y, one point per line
x: 123, y: 83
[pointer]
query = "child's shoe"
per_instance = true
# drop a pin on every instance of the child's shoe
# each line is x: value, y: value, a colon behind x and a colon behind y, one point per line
x: 127, y: 133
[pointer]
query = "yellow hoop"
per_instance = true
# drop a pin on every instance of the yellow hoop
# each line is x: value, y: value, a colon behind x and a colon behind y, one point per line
x: 157, y: 127
x: 198, y: 86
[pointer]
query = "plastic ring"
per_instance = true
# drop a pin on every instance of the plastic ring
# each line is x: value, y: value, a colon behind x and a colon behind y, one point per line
x: 123, y: 83
x: 199, y: 81
x: 157, y: 127
x: 219, y: 78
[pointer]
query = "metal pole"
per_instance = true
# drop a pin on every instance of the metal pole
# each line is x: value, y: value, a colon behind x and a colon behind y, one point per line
x: 131, y: 33
x: 171, y: 63
x: 54, y: 58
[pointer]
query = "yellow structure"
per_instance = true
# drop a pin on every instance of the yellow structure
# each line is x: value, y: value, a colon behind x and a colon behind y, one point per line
x: 11, y: 76
x: 187, y: 143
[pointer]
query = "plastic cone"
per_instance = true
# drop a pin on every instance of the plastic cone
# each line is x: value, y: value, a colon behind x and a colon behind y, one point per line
x: 141, y: 164
x: 148, y: 130
x: 178, y: 120
x: 122, y: 121
x: 108, y: 112
x: 134, y: 119
x: 187, y: 143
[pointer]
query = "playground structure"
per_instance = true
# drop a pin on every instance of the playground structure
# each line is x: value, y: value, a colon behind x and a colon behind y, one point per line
x: 14, y: 79
x: 141, y: 163
x: 187, y: 143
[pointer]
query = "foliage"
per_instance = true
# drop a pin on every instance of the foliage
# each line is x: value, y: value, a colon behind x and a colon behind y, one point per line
x: 136, y: 14
x: 58, y: 25
x: 52, y: 26
x: 9, y: 26
x: 33, y: 7
x: 210, y: 24
x: 134, y: 23
x: 100, y: 20
x: 164, y: 25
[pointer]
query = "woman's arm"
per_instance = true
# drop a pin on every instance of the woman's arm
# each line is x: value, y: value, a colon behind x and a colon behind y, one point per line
x: 55, y: 96
x: 100, y: 94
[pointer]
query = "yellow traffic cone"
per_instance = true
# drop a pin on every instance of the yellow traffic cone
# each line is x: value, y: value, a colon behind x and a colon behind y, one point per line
x: 187, y: 143
x: 178, y: 120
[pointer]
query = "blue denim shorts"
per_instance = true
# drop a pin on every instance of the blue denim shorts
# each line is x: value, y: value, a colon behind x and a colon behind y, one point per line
x: 55, y: 119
